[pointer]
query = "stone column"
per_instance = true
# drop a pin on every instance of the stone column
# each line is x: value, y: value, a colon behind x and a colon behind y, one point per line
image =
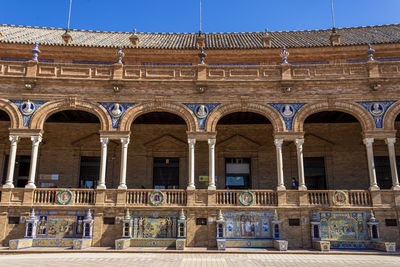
x: 124, y: 156
x: 393, y: 167
x: 11, y: 162
x: 191, y: 185
x: 300, y: 164
x: 371, y: 164
x: 32, y: 171
x: 211, y: 164
x: 103, y: 163
x: 279, y: 164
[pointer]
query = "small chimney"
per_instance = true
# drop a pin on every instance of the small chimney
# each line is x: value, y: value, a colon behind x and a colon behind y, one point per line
x: 267, y: 39
x: 67, y: 38
x: 134, y: 39
x: 335, y: 37
x: 200, y: 40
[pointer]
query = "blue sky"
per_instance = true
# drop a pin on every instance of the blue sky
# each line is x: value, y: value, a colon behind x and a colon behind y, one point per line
x: 183, y: 15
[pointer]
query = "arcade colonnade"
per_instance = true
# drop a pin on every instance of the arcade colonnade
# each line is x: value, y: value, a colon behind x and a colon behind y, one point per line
x: 200, y: 128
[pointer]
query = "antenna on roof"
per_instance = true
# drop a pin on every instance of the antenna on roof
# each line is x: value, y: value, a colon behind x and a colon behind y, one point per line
x: 333, y: 16
x: 69, y: 14
x: 200, y: 19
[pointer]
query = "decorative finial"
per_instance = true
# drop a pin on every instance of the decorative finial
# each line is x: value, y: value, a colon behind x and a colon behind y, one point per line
x: 372, y: 216
x: 202, y: 55
x: 220, y: 217
x: 266, y: 31
x: 32, y: 214
x: 182, y: 215
x: 200, y: 33
x: 370, y: 53
x: 284, y: 54
x: 275, y: 218
x: 127, y: 215
x: 134, y: 31
x: 35, y: 52
x: 89, y: 215
x: 120, y: 54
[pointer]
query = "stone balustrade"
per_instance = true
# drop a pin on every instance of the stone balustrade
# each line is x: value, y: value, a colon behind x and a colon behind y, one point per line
x: 119, y: 72
x: 214, y: 198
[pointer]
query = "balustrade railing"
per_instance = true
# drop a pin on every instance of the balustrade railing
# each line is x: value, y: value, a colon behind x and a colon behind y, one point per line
x: 261, y: 197
x: 359, y: 198
x: 79, y: 196
x: 318, y: 197
x: 142, y: 197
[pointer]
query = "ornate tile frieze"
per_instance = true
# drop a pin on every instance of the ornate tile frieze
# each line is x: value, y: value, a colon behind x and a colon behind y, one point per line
x: 27, y: 109
x: 201, y: 111
x: 116, y: 110
x: 287, y: 111
x: 377, y: 110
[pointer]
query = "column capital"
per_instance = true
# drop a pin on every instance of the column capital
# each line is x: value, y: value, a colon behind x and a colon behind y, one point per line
x: 390, y: 141
x: 299, y: 142
x: 125, y: 140
x: 36, y: 139
x: 368, y: 141
x: 191, y: 141
x: 211, y: 142
x: 14, y: 138
x: 278, y: 143
x: 104, y: 140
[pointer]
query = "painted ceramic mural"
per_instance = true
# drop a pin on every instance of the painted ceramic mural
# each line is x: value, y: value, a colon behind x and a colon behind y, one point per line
x: 248, y: 224
x: 342, y: 225
x: 60, y: 224
x: 162, y: 224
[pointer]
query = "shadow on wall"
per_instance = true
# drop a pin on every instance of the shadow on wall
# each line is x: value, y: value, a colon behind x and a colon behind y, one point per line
x: 15, y: 231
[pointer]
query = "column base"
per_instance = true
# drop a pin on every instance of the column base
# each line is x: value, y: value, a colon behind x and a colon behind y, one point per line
x: 302, y: 188
x: 8, y: 186
x: 374, y: 188
x: 191, y: 187
x: 212, y: 187
x: 396, y: 187
x: 280, y: 188
x: 33, y: 186
x: 102, y: 186
x: 122, y: 186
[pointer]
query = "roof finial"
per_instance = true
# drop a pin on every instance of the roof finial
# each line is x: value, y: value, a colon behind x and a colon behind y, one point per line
x: 284, y: 55
x: 134, y: 31
x: 370, y: 53
x: 35, y: 52
x: 202, y: 55
x: 120, y: 54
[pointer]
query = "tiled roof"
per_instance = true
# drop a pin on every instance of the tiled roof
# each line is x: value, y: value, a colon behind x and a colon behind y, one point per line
x: 252, y: 40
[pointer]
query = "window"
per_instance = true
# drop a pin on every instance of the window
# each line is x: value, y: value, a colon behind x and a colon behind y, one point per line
x: 13, y: 220
x: 314, y: 172
x: 90, y: 170
x: 108, y: 220
x: 390, y: 222
x: 294, y: 222
x: 237, y: 173
x: 21, y: 170
x: 166, y: 173
x: 383, y: 172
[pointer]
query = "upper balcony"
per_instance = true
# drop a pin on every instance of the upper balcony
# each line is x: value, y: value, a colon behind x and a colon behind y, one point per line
x: 141, y: 198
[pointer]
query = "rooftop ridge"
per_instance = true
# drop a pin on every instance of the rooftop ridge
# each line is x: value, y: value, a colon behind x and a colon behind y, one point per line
x: 167, y: 33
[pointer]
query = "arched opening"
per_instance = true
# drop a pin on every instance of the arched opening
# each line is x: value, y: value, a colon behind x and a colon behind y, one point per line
x: 157, y: 153
x: 5, y: 123
x: 334, y: 153
x: 69, y: 154
x: 245, y: 153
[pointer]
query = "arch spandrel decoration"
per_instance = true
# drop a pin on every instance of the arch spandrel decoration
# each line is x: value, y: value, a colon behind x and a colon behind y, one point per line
x: 116, y: 111
x: 27, y: 109
x: 158, y: 106
x: 377, y: 109
x: 390, y: 116
x: 287, y: 111
x: 269, y: 112
x: 360, y: 113
x: 49, y: 108
x: 16, y: 120
x: 201, y: 112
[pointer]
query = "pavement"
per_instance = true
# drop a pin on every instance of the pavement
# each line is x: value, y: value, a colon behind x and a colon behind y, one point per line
x: 199, y: 259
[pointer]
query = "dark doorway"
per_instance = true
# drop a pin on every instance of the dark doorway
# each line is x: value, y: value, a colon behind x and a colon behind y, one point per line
x: 314, y: 172
x: 21, y: 170
x: 166, y: 173
x: 237, y: 173
x: 383, y: 171
x: 89, y: 173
